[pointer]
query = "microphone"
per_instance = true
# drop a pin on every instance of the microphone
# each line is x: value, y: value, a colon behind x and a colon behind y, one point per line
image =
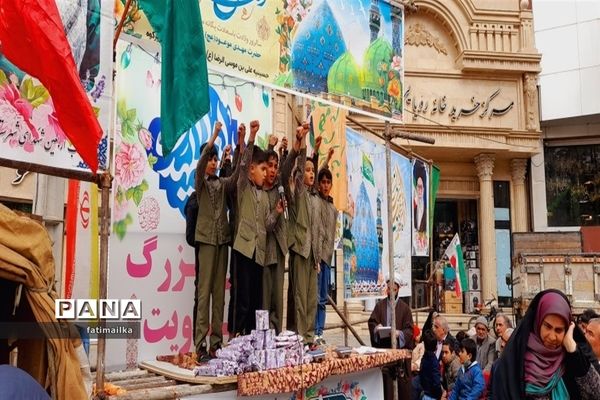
x: 282, y: 198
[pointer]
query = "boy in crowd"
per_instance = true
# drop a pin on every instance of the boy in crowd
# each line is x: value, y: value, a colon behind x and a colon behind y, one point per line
x: 212, y: 236
x: 304, y: 238
x: 254, y: 221
x: 329, y: 215
x: 451, y: 366
x: 275, y: 185
x: 429, y: 374
x: 469, y: 383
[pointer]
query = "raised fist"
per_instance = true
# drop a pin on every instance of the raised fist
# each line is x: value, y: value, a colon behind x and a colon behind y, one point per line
x: 218, y: 126
x: 273, y: 140
x: 318, y: 142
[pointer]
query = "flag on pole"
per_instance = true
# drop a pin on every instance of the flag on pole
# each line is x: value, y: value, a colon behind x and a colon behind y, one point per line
x: 32, y: 37
x: 184, y: 76
x: 455, y: 256
x: 367, y: 169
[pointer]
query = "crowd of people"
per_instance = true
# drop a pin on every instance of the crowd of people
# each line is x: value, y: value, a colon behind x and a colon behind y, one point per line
x: 547, y: 356
x: 267, y: 205
x: 241, y: 202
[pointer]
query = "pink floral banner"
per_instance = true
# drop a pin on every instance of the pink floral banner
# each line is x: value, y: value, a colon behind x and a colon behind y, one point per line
x: 149, y: 257
x: 29, y: 129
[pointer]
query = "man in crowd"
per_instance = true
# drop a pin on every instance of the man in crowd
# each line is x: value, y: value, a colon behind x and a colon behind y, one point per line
x: 486, y: 346
x: 379, y: 320
x: 501, y: 324
x: 592, y: 334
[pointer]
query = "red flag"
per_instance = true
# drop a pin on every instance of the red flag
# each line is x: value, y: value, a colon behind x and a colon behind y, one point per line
x: 33, y: 38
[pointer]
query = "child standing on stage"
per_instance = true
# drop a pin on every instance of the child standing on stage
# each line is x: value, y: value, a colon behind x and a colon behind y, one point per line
x: 212, y: 236
x: 254, y: 221
x: 329, y: 216
x: 305, y: 242
x: 276, y: 185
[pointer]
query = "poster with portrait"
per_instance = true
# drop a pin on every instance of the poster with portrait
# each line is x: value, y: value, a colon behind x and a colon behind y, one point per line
x: 420, y: 208
x: 401, y: 215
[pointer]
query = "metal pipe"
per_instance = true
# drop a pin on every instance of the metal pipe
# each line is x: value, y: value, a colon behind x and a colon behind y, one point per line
x: 391, y: 298
x: 104, y: 182
x: 348, y: 324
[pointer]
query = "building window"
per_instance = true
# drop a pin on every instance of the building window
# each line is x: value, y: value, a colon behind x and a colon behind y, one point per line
x: 573, y: 185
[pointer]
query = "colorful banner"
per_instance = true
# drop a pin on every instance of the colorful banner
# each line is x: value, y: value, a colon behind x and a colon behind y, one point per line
x: 365, y: 223
x: 351, y: 51
x: 149, y: 258
x: 29, y: 130
x: 401, y: 173
x: 420, y: 225
x: 329, y: 122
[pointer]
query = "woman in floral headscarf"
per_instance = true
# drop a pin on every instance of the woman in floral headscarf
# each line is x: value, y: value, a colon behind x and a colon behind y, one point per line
x: 546, y: 357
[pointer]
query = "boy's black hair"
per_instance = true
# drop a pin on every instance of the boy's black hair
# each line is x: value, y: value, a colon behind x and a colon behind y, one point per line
x: 429, y: 340
x: 460, y: 336
x: 324, y: 173
x: 259, y: 156
x: 470, y: 347
x: 272, y: 154
x: 452, y: 344
x: 214, y: 152
x: 586, y: 316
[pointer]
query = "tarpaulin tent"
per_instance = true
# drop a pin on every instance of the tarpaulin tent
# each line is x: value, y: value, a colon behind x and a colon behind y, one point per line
x: 26, y: 260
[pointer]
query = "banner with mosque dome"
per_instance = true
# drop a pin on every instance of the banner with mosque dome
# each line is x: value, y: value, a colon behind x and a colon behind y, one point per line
x: 365, y: 219
x: 346, y: 51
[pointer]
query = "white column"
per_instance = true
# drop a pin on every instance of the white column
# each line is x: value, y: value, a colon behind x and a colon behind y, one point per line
x: 487, y: 235
x: 518, y: 169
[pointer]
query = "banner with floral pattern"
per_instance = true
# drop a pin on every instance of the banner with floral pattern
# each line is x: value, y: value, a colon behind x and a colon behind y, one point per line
x: 29, y: 129
x: 149, y: 257
x: 349, y: 51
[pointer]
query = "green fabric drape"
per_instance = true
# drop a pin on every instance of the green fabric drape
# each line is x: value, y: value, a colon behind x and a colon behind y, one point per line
x: 184, y: 77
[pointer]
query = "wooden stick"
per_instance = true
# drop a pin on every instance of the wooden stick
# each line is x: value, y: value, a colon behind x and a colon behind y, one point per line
x: 121, y: 23
x: 337, y: 310
x: 148, y: 385
x: 87, y: 176
x: 169, y: 392
x: 406, y: 151
x: 342, y: 325
x: 121, y: 375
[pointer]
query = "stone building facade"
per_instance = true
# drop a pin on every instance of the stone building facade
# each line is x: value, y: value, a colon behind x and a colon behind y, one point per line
x: 471, y: 70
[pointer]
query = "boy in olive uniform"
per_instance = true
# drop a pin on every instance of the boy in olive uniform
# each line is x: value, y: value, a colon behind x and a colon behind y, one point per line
x: 254, y: 221
x: 277, y: 243
x: 329, y: 216
x: 212, y: 236
x: 304, y: 242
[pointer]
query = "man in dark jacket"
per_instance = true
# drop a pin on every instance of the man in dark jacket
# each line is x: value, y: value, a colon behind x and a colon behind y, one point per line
x: 379, y: 320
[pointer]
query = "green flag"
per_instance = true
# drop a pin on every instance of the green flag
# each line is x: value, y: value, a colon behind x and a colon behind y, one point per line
x: 435, y: 183
x: 184, y: 77
x: 367, y: 169
x: 454, y: 254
